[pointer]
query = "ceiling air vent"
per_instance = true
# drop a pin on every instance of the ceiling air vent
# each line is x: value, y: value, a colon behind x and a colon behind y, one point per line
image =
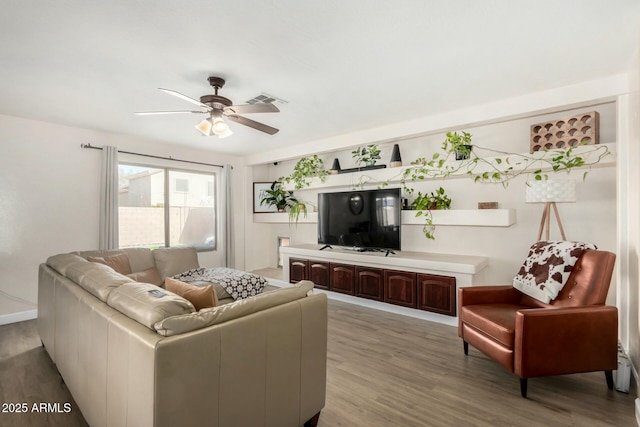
x: 265, y: 98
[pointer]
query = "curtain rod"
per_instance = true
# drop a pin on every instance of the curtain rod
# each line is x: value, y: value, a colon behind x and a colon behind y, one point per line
x: 155, y: 157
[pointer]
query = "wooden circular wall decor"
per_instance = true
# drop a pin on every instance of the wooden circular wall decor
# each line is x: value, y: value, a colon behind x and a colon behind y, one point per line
x: 567, y: 132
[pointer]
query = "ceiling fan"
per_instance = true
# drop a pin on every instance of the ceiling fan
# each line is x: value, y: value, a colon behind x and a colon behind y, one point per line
x: 218, y: 107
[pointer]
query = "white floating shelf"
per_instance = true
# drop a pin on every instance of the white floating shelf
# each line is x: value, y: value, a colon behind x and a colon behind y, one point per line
x: 394, y: 175
x: 468, y: 217
x: 283, y: 218
x: 464, y: 217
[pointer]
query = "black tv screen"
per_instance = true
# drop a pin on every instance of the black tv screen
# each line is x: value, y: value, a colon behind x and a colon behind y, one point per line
x: 360, y: 219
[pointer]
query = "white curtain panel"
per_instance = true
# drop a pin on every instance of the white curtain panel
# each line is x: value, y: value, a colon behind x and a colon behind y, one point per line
x: 108, y: 238
x: 229, y: 247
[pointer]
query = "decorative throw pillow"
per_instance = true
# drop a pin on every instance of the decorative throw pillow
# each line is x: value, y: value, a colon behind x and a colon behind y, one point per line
x: 119, y: 262
x: 548, y: 267
x: 200, y: 297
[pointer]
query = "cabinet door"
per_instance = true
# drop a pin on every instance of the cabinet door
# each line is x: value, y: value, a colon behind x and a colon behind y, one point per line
x: 437, y: 294
x: 370, y: 283
x: 319, y: 274
x: 400, y: 288
x: 298, y: 270
x: 342, y: 278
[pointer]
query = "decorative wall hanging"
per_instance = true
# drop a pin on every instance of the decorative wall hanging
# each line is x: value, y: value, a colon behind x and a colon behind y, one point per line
x: 581, y: 129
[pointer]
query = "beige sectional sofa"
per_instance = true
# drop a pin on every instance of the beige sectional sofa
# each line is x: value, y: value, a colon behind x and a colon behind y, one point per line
x: 131, y: 357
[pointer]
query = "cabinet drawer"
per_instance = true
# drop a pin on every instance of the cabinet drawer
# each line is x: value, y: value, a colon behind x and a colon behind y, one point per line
x: 319, y: 274
x: 437, y: 294
x: 342, y: 278
x: 400, y: 288
x: 298, y: 270
x: 370, y: 283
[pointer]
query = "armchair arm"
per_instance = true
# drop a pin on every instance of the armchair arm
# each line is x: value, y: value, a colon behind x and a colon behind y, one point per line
x: 488, y: 295
x: 557, y: 341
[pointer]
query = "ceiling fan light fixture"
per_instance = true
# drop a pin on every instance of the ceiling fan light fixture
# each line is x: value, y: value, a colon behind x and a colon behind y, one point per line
x: 219, y: 126
x: 205, y: 127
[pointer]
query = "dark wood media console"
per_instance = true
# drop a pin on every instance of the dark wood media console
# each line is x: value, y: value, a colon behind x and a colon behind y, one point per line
x: 422, y: 291
x: 419, y: 284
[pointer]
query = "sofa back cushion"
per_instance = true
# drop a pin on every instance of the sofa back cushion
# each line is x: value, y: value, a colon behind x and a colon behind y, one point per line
x: 171, y: 261
x: 119, y: 262
x: 141, y: 259
x: 97, y: 279
x: 211, y: 316
x: 61, y: 262
x: 147, y: 304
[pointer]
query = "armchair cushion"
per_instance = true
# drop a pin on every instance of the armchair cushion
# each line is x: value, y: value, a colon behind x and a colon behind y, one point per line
x: 548, y: 267
x: 498, y: 321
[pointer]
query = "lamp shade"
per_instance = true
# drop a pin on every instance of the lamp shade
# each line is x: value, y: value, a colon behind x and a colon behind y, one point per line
x: 559, y: 191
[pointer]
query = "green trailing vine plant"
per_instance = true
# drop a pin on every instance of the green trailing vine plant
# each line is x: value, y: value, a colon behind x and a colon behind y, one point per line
x: 305, y: 170
x: 368, y: 155
x: 424, y: 204
x: 501, y: 168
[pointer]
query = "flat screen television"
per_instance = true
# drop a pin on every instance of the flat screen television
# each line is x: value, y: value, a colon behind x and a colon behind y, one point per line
x: 361, y: 220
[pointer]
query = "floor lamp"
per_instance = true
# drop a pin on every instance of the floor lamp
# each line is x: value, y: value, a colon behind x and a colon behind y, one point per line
x: 551, y: 192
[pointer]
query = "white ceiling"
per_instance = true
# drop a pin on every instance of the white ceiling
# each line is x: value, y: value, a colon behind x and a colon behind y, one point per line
x: 342, y: 65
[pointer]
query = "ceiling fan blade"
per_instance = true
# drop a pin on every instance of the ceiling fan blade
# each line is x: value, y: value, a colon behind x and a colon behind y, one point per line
x: 252, y: 108
x: 153, y: 113
x: 186, y: 98
x: 253, y: 124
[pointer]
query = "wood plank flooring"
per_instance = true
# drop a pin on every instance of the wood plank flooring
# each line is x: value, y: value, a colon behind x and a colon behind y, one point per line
x: 383, y: 370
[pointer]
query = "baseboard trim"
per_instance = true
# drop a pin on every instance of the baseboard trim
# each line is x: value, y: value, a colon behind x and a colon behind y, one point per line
x: 21, y: 316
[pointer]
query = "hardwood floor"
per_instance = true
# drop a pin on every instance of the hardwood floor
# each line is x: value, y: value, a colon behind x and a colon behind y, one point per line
x: 383, y: 370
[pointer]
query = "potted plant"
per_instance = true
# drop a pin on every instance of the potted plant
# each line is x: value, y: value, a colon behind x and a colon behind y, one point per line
x: 460, y: 144
x: 368, y: 155
x: 431, y: 201
x: 306, y: 169
x: 275, y: 196
x: 424, y: 204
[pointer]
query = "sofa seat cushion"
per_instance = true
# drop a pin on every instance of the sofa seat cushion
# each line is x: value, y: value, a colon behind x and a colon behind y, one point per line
x: 147, y: 304
x: 200, y: 296
x: 226, y: 312
x: 172, y: 261
x: 119, y: 262
x: 497, y: 321
x: 97, y: 279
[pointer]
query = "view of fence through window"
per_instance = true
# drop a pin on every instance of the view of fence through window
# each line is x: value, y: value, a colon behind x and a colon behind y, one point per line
x: 165, y: 207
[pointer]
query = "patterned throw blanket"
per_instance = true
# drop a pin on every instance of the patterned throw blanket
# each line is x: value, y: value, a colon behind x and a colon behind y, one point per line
x: 548, y: 267
x: 238, y: 284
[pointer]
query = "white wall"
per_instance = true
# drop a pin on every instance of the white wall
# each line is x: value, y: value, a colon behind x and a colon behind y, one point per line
x: 629, y: 213
x: 49, y: 198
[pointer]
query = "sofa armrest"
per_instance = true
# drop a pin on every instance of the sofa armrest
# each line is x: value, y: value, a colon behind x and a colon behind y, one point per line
x: 488, y: 295
x: 557, y: 341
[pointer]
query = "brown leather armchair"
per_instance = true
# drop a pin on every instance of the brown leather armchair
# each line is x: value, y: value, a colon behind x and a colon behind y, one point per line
x: 575, y: 333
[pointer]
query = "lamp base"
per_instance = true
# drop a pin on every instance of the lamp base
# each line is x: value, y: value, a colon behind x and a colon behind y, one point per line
x: 545, y: 222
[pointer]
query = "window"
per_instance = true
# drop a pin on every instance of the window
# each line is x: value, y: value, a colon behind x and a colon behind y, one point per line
x: 154, y: 214
x: 182, y: 185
